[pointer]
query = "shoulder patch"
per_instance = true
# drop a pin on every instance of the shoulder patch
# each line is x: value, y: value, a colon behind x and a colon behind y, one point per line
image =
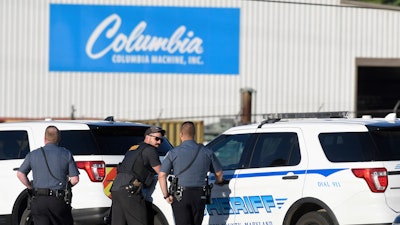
x: 133, y: 147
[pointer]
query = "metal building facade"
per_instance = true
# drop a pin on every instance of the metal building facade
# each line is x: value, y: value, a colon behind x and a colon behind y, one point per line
x: 296, y: 56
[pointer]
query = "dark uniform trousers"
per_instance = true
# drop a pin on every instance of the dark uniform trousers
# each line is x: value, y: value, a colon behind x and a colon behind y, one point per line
x: 190, y: 210
x: 128, y: 209
x: 51, y: 210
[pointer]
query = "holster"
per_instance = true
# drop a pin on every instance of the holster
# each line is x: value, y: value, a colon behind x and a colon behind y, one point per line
x: 30, y: 197
x: 207, y: 192
x: 135, y: 187
x: 173, y: 186
x: 174, y: 189
x: 68, y: 193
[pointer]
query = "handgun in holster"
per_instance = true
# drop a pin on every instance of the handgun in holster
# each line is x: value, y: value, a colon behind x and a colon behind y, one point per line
x: 68, y: 193
x: 207, y: 191
x: 30, y: 197
x: 135, y: 187
x: 174, y: 189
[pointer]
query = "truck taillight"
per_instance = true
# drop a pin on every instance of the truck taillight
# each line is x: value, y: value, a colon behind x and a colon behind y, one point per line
x: 376, y: 178
x: 96, y: 170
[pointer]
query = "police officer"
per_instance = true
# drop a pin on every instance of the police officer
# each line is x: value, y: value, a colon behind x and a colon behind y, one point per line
x: 52, y: 167
x: 190, y: 163
x: 136, y: 172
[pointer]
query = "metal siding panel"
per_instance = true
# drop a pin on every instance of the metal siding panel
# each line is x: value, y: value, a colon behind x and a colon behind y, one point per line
x: 298, y: 58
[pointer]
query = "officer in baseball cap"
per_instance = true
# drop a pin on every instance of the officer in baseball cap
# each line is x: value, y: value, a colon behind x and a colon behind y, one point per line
x: 135, y: 173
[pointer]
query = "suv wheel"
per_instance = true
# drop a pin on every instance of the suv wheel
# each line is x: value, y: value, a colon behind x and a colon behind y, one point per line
x: 315, y: 218
x: 26, y: 218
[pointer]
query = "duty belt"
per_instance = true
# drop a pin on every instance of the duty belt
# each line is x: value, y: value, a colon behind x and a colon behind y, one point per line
x: 49, y: 192
x: 192, y: 188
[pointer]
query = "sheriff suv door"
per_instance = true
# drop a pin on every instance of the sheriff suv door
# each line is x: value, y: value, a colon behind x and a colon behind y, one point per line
x: 232, y: 150
x: 273, y: 178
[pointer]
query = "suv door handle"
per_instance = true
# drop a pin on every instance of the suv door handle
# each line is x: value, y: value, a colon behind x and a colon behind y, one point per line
x: 292, y: 177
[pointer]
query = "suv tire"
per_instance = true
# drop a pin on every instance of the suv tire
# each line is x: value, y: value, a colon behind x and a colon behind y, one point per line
x: 315, y: 218
x: 26, y: 218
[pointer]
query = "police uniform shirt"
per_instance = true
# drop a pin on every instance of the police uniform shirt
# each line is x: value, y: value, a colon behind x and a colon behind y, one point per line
x: 181, y: 156
x: 60, y: 161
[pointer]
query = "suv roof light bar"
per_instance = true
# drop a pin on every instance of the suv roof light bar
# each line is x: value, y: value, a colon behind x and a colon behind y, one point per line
x: 337, y: 114
x: 275, y: 117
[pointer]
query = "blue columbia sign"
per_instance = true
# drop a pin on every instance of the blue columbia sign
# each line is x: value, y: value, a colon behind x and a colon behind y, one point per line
x: 144, y: 39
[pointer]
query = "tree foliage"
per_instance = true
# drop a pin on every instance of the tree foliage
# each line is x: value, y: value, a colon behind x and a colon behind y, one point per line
x: 385, y: 2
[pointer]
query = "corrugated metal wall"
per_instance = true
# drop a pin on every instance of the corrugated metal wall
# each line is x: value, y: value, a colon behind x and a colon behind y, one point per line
x: 298, y: 56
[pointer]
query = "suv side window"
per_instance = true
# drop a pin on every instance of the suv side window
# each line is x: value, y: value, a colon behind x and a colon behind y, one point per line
x: 13, y: 144
x: 276, y: 149
x: 348, y: 146
x: 387, y: 141
x: 116, y: 140
x: 106, y: 140
x: 229, y: 150
x: 79, y: 142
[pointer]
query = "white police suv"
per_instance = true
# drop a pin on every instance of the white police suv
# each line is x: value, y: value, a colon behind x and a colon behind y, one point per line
x: 97, y: 146
x: 308, y: 171
x: 304, y: 172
